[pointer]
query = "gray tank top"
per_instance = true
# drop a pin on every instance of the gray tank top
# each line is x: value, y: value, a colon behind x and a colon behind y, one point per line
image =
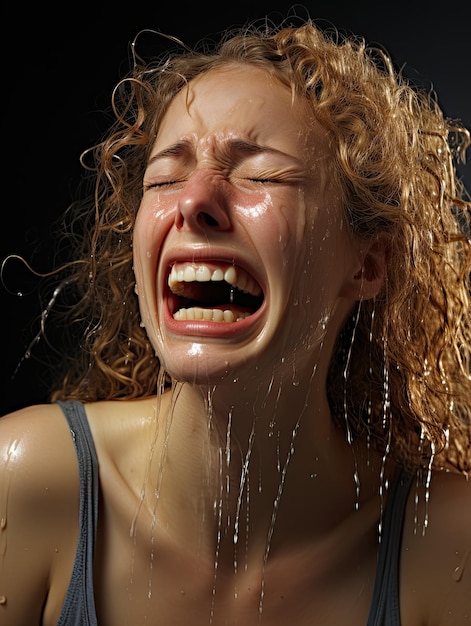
x: 79, y: 603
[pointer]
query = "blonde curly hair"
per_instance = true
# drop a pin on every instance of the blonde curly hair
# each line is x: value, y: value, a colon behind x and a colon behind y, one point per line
x: 400, y: 374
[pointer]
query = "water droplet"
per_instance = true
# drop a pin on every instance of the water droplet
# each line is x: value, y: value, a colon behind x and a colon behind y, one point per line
x: 459, y: 569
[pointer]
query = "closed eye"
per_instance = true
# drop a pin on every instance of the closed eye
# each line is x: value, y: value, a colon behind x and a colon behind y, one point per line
x: 264, y: 180
x: 165, y: 183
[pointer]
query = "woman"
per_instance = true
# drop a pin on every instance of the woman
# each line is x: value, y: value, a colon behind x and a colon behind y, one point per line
x: 266, y: 419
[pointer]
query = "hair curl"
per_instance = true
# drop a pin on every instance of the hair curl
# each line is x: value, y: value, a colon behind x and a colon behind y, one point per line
x: 401, y: 371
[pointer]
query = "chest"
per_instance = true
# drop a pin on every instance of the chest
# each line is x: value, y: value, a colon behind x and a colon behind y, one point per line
x: 148, y: 572
x: 144, y: 577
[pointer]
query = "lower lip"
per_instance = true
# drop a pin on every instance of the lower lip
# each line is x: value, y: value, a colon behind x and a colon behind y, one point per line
x: 204, y: 328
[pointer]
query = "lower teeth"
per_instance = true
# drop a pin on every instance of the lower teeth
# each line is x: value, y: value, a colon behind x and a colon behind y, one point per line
x: 209, y: 315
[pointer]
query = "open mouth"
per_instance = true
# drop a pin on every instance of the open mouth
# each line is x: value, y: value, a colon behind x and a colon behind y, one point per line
x: 213, y: 292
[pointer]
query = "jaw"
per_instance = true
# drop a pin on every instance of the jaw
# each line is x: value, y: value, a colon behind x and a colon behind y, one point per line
x: 219, y: 318
x: 254, y: 352
x: 207, y: 352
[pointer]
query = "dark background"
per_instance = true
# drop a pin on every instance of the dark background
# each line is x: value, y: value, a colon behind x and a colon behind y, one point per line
x: 57, y: 78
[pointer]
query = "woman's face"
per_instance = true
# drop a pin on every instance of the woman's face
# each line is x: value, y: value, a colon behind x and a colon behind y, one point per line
x: 241, y: 254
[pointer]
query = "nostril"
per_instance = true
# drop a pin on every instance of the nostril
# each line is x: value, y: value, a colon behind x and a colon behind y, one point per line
x: 179, y: 221
x: 207, y: 219
x: 202, y: 219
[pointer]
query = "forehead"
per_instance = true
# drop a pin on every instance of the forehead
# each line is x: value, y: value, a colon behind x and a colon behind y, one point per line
x: 240, y: 101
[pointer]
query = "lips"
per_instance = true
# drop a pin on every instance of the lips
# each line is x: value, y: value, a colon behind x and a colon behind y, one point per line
x: 212, y: 291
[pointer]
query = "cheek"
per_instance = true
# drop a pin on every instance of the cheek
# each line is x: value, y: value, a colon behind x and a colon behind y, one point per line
x: 322, y: 248
x: 257, y: 211
x: 149, y: 232
x: 324, y: 228
x: 292, y: 242
x: 140, y: 244
x: 278, y: 223
x: 151, y: 225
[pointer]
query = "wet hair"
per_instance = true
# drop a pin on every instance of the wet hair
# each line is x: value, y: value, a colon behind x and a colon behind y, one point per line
x: 400, y: 373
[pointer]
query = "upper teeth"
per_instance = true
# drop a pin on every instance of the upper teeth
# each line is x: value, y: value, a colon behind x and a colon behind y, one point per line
x: 191, y: 272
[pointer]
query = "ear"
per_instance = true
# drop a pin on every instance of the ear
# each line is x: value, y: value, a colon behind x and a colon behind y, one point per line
x: 368, y: 273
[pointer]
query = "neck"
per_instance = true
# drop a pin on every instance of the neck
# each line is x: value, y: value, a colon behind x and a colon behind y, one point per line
x: 254, y: 464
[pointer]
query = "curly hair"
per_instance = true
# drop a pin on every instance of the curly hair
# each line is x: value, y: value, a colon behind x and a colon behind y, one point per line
x: 400, y: 374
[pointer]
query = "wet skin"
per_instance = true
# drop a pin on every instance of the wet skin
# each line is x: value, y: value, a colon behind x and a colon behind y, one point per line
x: 239, y: 175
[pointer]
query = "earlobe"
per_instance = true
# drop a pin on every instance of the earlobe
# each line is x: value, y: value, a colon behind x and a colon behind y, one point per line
x: 368, y: 276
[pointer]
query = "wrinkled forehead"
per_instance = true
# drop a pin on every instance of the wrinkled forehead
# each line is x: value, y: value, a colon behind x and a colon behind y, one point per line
x: 242, y: 101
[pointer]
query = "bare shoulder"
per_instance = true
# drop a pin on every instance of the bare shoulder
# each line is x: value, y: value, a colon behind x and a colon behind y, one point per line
x: 39, y: 509
x: 38, y: 466
x: 436, y: 552
x: 33, y: 441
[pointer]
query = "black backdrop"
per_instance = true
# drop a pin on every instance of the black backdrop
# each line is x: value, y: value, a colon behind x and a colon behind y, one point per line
x: 58, y: 75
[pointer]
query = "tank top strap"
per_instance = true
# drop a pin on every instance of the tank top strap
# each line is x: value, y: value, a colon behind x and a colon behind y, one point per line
x: 384, y: 610
x: 79, y: 604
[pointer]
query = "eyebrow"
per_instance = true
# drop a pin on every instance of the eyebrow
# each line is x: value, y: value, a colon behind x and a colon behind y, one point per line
x: 173, y: 150
x: 240, y: 146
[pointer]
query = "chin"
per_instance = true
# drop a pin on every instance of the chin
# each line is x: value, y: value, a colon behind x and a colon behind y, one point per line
x: 192, y: 364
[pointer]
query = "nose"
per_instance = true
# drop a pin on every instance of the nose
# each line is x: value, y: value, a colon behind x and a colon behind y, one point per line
x: 202, y: 204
